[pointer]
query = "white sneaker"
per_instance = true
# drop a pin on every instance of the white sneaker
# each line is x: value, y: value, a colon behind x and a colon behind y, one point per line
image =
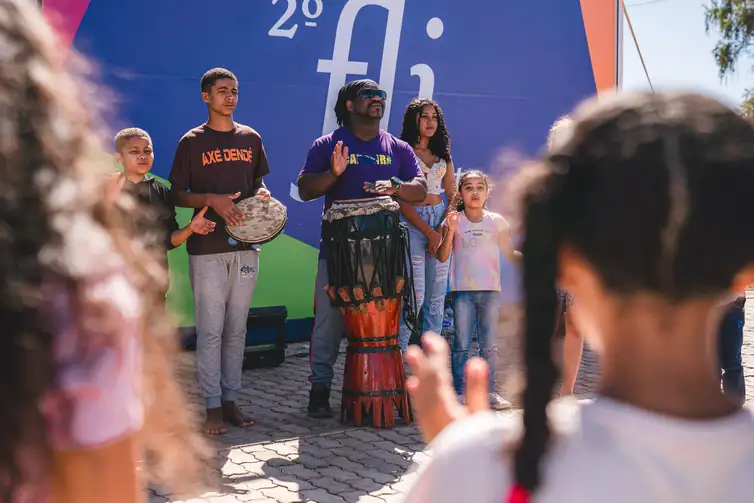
x: 499, y: 403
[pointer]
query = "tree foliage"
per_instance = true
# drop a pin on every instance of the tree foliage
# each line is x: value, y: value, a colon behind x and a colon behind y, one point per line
x: 747, y: 106
x: 734, y: 21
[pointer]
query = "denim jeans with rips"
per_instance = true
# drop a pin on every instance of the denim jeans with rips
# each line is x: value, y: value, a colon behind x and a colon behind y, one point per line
x: 429, y: 274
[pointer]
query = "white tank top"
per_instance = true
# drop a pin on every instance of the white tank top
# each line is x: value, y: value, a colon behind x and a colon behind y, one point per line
x: 476, y: 254
x: 434, y: 175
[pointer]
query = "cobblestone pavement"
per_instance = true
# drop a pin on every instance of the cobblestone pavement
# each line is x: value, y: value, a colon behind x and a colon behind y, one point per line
x: 287, y: 457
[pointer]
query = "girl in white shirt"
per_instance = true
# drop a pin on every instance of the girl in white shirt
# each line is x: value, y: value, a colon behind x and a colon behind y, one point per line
x: 476, y: 237
x: 631, y: 215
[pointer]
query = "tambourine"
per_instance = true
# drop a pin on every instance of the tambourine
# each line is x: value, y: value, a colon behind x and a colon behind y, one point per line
x: 263, y: 220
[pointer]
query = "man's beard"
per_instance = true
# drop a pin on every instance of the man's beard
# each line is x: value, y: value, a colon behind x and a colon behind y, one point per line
x: 366, y: 117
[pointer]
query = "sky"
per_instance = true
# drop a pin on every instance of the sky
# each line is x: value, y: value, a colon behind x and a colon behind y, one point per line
x: 677, y: 51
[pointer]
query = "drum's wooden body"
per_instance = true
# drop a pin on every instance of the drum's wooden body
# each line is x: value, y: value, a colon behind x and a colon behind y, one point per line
x: 366, y: 254
x: 374, y: 381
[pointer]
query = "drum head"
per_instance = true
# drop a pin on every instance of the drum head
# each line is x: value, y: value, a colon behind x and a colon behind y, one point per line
x: 360, y: 207
x: 262, y: 221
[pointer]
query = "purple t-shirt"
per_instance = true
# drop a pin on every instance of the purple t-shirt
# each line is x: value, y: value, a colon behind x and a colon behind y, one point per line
x: 380, y: 159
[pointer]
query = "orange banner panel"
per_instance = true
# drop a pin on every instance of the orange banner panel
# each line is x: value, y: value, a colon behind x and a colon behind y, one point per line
x: 600, y: 23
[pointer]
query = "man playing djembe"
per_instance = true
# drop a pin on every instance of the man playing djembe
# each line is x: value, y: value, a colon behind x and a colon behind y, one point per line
x: 356, y: 161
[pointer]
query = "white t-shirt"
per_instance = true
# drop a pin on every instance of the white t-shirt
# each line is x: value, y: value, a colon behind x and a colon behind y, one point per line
x: 603, y: 452
x: 476, y: 253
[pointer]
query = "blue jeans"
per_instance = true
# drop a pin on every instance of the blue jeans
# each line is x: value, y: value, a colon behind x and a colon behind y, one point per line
x: 430, y: 276
x: 480, y: 309
x: 729, y: 347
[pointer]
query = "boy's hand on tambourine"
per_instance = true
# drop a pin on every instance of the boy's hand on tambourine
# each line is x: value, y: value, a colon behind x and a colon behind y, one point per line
x: 264, y: 193
x: 224, y: 206
x: 434, y: 401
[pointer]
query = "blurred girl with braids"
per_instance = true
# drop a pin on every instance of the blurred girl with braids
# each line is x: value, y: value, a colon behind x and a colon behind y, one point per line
x: 631, y: 214
x: 86, y: 384
x: 476, y: 237
x: 573, y: 346
x: 425, y: 130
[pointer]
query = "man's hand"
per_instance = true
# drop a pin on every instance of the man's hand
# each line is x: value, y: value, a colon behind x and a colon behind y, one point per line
x: 432, y: 396
x: 263, y: 193
x: 433, y: 242
x: 224, y: 206
x: 339, y: 159
x: 200, y: 225
x: 113, y: 187
x: 383, y: 187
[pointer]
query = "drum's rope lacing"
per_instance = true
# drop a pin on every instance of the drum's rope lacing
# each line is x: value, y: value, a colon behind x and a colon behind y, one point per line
x: 355, y: 245
x: 410, y: 308
x: 391, y: 258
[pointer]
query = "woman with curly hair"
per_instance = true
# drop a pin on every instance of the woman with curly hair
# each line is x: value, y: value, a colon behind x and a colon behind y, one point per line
x: 87, y: 387
x: 425, y: 130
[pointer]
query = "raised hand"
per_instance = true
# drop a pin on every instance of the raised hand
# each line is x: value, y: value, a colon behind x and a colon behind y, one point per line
x: 224, y: 206
x: 200, y: 225
x: 339, y: 159
x: 452, y: 219
x: 114, y: 185
x: 434, y: 401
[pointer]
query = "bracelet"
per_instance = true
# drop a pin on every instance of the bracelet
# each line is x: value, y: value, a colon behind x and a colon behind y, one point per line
x: 426, y: 234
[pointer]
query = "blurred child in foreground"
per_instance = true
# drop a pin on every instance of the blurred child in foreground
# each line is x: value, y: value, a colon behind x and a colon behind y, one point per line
x: 88, y: 391
x: 631, y: 215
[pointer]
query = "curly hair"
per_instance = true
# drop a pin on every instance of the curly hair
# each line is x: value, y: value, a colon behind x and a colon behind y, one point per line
x: 55, y: 224
x: 439, y: 144
x: 457, y: 201
x: 655, y: 171
x: 559, y: 131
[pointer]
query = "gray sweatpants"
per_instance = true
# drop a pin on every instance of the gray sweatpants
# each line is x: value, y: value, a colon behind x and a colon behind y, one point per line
x: 223, y: 285
x: 328, y: 331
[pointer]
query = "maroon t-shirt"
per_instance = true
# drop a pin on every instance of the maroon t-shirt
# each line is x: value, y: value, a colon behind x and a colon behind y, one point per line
x: 218, y: 162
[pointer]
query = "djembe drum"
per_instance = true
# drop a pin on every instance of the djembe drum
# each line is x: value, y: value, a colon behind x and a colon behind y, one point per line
x: 366, y: 264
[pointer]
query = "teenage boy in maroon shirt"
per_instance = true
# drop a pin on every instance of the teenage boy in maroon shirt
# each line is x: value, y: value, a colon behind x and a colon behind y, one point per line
x: 215, y: 164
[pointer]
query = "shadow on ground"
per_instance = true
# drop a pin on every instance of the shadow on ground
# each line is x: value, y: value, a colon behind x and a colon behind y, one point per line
x: 288, y: 457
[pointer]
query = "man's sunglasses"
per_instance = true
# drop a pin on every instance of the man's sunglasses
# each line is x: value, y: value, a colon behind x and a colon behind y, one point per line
x: 370, y: 94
